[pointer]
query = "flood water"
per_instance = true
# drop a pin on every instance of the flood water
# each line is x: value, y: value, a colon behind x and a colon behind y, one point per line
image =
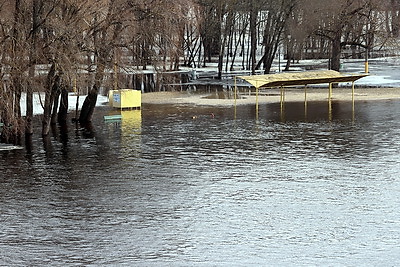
x: 176, y: 186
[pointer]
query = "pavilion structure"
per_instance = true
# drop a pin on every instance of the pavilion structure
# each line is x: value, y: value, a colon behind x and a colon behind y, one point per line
x: 306, y: 78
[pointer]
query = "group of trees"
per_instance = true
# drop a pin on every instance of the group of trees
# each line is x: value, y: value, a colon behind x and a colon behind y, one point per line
x: 49, y: 45
x: 253, y: 31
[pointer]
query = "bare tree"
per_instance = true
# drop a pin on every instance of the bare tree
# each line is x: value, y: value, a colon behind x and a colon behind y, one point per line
x: 275, y: 16
x: 210, y: 27
x: 106, y: 26
x: 337, y: 22
x: 14, y: 35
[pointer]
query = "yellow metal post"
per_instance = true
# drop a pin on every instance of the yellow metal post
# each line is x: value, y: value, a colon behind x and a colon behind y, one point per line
x: 366, y: 66
x: 282, y: 103
x: 235, y: 91
x: 353, y: 100
x: 305, y: 100
x: 235, y: 96
x: 257, y: 103
x: 305, y: 95
x: 330, y: 101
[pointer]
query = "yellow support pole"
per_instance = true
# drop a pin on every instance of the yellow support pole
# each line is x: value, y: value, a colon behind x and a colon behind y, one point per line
x: 257, y: 103
x: 235, y: 92
x: 305, y: 94
x: 305, y: 100
x: 353, y: 101
x: 330, y: 101
x: 282, y: 103
x: 366, y: 66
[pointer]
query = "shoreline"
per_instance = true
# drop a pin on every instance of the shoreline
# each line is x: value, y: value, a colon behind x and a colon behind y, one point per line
x: 267, y: 96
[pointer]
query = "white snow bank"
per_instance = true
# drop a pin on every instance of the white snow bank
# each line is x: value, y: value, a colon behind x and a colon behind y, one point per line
x: 375, y: 80
x: 38, y: 99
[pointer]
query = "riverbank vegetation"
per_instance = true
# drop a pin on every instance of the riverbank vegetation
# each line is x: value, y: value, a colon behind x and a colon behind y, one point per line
x: 88, y: 46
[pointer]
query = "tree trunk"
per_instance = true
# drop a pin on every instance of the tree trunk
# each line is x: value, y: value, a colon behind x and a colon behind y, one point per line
x: 221, y: 59
x: 253, y: 37
x: 228, y: 25
x: 290, y: 53
x: 269, y: 58
x: 52, y: 85
x: 336, y: 51
x: 287, y: 65
x: 89, y: 104
x: 55, y: 106
x: 104, y: 46
x: 63, y: 110
x: 29, y: 104
x: 12, y: 131
x: 32, y: 63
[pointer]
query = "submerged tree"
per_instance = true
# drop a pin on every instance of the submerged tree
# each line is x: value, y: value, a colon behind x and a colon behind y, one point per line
x: 15, y: 30
x: 154, y: 30
x: 106, y: 25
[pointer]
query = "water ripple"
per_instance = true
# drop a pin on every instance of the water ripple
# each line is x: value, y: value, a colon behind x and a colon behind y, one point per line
x: 172, y: 190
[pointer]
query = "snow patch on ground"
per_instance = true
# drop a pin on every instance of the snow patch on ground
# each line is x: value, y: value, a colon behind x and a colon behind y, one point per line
x: 38, y: 99
x: 375, y: 80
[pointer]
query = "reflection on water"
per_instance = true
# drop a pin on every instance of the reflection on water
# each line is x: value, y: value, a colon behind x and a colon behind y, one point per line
x: 162, y: 188
x: 131, y: 129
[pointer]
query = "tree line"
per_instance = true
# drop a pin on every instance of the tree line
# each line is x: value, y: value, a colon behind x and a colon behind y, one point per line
x: 50, y: 46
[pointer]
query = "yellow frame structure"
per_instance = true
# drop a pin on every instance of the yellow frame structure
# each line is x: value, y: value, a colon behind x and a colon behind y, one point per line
x: 299, y: 78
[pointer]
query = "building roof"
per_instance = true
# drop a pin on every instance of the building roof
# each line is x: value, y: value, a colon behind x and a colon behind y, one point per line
x: 300, y: 78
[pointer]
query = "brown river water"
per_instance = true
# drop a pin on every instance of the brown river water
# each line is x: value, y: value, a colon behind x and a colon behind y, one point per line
x: 179, y: 185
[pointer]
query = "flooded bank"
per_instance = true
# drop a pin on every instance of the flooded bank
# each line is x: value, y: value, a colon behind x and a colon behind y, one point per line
x: 173, y: 185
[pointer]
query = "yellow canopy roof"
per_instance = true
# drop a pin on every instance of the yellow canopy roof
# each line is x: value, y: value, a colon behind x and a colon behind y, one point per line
x: 300, y: 78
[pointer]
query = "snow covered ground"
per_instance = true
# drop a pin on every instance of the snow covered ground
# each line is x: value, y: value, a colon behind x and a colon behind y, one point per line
x: 384, y: 72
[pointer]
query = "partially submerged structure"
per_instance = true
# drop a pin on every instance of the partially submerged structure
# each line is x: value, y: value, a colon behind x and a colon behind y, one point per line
x: 286, y: 79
